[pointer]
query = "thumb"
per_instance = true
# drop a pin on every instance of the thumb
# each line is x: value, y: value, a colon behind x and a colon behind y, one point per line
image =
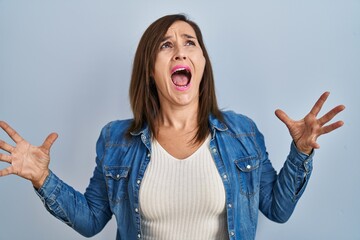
x: 49, y: 141
x: 283, y: 117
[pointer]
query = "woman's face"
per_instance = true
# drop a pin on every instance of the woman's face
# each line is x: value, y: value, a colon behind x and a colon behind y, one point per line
x: 179, y: 67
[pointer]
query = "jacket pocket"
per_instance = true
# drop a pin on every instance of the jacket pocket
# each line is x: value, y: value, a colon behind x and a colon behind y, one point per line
x: 249, y: 174
x: 116, y: 182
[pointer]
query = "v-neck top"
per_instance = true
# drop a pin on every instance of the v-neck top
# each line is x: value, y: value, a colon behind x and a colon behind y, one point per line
x: 182, y: 199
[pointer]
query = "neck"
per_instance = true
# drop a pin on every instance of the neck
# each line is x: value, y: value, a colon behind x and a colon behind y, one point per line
x: 179, y: 118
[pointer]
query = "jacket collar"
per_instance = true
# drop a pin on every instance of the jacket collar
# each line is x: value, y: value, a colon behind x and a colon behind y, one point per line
x: 143, y: 131
x: 214, y: 123
x: 217, y: 124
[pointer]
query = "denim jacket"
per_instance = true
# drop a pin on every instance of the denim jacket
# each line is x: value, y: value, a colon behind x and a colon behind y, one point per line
x: 238, y: 150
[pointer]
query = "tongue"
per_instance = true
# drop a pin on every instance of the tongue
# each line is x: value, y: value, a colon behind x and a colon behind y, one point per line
x: 180, y: 79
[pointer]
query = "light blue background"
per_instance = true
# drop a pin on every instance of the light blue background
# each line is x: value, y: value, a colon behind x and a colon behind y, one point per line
x: 65, y: 67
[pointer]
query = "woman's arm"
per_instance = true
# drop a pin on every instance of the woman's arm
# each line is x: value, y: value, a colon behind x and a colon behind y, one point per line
x: 280, y: 193
x: 87, y: 213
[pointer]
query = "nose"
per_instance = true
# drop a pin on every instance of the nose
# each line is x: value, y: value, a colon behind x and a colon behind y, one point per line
x: 180, y: 58
x: 179, y: 54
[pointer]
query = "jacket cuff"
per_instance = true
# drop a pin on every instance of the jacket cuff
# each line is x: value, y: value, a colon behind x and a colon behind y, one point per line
x: 52, y: 182
x: 301, y: 159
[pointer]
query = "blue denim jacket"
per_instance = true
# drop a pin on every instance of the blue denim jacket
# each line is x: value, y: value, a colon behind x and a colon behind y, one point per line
x: 237, y: 147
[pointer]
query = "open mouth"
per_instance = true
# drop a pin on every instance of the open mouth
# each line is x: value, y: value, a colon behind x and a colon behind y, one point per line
x: 181, y: 77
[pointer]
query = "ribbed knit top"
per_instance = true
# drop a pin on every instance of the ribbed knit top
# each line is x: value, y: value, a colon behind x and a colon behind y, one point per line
x: 182, y: 199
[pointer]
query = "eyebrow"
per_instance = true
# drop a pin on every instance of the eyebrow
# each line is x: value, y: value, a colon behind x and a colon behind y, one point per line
x: 182, y: 35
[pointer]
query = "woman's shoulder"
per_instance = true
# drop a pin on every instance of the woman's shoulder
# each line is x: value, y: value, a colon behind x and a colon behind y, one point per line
x: 238, y: 122
x: 116, y: 130
x: 119, y: 124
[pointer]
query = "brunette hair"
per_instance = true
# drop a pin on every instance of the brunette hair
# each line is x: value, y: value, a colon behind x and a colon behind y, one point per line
x: 143, y: 94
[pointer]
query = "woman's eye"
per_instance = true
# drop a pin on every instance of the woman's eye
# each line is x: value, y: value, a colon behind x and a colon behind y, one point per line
x: 190, y: 43
x: 165, y: 45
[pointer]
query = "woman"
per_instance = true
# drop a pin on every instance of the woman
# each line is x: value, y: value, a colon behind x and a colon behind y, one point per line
x: 181, y: 168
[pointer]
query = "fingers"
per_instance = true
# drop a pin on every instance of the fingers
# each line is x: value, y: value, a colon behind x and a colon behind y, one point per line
x: 283, y: 117
x: 332, y: 127
x: 7, y: 171
x: 319, y: 103
x: 315, y: 145
x: 5, y: 158
x: 6, y: 147
x: 331, y: 114
x: 49, y: 141
x: 11, y: 132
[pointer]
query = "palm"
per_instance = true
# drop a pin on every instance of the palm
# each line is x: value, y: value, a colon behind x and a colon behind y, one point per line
x: 26, y: 160
x: 306, y: 131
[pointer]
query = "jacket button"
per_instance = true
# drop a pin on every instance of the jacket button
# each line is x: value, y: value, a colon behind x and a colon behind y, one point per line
x: 136, y: 210
x: 248, y: 167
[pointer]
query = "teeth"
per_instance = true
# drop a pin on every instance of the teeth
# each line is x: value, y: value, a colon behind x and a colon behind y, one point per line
x: 180, y: 69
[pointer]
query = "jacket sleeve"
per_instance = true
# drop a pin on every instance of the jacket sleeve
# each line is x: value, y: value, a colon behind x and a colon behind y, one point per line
x: 279, y: 193
x: 86, y: 213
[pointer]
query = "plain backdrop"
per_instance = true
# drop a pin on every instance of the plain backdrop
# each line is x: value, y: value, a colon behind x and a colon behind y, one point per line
x: 65, y: 67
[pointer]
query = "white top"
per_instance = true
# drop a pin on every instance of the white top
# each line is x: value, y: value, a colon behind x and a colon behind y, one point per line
x: 182, y: 199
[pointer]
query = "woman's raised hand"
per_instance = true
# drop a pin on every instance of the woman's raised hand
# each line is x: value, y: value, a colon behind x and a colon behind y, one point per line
x: 27, y: 161
x: 306, y: 131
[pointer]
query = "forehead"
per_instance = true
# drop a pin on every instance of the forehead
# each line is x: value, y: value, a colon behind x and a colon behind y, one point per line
x: 180, y: 27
